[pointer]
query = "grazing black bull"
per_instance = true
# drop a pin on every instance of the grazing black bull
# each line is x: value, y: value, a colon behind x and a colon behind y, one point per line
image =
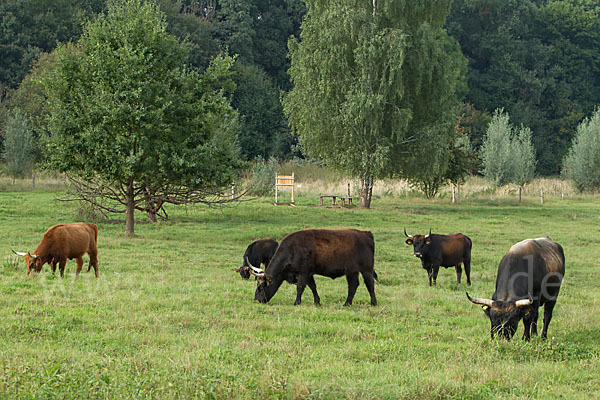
x: 332, y: 253
x: 442, y: 250
x: 529, y: 276
x: 258, y: 252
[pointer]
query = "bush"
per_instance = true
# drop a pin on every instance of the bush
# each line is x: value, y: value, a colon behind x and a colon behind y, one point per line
x: 262, y: 177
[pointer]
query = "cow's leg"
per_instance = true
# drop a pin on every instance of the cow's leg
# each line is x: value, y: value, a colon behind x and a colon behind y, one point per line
x: 352, y: 279
x: 313, y: 286
x: 370, y: 284
x: 527, y: 319
x: 93, y: 262
x: 53, y: 265
x: 435, y: 270
x: 300, y: 285
x: 79, y: 261
x: 429, y: 270
x: 548, y: 307
x: 467, y: 262
x: 534, y: 319
x: 458, y: 273
x: 61, y: 266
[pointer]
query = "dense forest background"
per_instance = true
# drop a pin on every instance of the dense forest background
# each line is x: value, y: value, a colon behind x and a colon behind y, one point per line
x: 537, y: 59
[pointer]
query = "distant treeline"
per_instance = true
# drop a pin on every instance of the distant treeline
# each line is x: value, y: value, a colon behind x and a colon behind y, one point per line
x: 538, y: 59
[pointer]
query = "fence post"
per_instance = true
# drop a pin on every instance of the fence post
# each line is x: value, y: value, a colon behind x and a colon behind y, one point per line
x: 542, y: 196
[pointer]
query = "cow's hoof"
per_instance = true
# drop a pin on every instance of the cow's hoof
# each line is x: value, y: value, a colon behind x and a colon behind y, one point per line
x: 346, y: 304
x: 373, y: 303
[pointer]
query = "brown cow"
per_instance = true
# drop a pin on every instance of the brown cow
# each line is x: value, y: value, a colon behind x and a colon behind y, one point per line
x: 442, y: 250
x: 62, y: 242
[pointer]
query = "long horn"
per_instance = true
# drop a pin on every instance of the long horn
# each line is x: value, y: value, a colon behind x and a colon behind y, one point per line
x: 256, y: 271
x: 524, y: 302
x: 32, y: 255
x: 483, y: 302
x: 429, y: 234
x: 407, y: 235
x: 19, y: 254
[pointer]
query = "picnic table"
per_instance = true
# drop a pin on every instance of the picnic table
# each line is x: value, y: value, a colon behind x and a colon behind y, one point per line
x: 334, y: 198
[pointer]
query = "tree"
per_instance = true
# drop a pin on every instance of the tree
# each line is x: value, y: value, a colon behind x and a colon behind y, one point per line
x: 523, y: 158
x: 582, y: 163
x: 374, y: 87
x: 131, y: 124
x: 18, y: 145
x: 495, y: 151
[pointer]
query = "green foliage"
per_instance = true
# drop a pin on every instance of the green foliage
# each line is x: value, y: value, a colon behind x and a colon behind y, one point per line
x: 522, y: 156
x: 126, y: 112
x: 495, y: 150
x: 263, y: 131
x: 540, y: 60
x: 582, y: 164
x: 372, y: 87
x: 18, y: 154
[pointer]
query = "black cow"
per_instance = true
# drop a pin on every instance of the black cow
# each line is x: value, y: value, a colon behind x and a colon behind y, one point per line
x: 442, y: 250
x: 529, y: 276
x: 258, y: 252
x: 309, y: 252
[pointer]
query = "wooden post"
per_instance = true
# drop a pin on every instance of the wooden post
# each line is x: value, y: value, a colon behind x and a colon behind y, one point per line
x: 562, y: 192
x: 276, y: 175
x: 232, y: 192
x: 348, y: 190
x: 542, y: 196
x: 453, y: 193
x: 293, y: 185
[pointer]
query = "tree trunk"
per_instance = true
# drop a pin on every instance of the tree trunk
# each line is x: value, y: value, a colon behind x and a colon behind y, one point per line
x: 130, y: 210
x: 520, y: 190
x: 366, y: 192
x: 33, y: 181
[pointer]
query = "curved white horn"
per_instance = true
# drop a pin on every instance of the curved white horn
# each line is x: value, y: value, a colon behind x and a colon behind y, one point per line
x: 483, y: 302
x: 19, y: 253
x: 256, y: 271
x: 524, y: 302
x: 429, y: 234
x: 407, y: 235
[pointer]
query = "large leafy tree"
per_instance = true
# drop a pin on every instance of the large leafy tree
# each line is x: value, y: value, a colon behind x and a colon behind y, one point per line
x: 131, y: 124
x: 374, y: 87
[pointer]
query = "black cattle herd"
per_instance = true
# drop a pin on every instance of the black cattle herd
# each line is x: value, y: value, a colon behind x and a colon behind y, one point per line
x: 529, y: 275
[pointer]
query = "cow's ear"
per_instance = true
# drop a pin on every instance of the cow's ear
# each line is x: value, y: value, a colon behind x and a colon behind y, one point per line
x: 409, y: 241
x: 486, y: 309
x: 268, y: 278
x: 427, y: 241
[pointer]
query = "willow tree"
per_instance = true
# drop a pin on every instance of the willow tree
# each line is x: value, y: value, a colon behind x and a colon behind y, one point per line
x: 374, y: 86
x: 131, y: 124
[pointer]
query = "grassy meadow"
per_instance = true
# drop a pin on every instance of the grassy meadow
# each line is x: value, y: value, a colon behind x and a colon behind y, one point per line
x: 169, y: 317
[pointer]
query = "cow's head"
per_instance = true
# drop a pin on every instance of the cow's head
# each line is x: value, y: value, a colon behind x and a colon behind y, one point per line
x: 264, y: 289
x: 504, y: 315
x: 420, y: 243
x: 244, y: 272
x: 33, y: 262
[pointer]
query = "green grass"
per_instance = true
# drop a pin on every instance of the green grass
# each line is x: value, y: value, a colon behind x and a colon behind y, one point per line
x: 169, y: 318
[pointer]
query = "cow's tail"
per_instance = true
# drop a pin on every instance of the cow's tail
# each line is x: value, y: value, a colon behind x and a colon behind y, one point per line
x: 375, y: 276
x: 470, y: 242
